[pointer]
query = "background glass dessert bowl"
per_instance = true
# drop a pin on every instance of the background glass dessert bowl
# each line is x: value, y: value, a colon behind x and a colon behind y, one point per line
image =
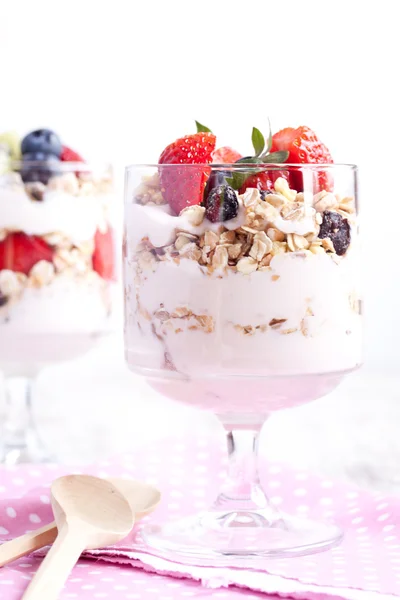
x: 242, y: 303
x: 56, y: 271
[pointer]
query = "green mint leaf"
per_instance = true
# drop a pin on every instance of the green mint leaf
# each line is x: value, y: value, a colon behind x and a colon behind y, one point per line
x: 269, y: 144
x: 201, y: 128
x: 258, y: 141
x: 237, y: 180
x: 275, y: 157
x: 250, y: 159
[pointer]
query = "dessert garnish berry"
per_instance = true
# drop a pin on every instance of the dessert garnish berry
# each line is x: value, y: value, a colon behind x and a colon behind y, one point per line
x: 69, y: 155
x: 226, y: 155
x: 337, y: 228
x: 20, y: 252
x: 38, y: 166
x: 184, y: 185
x: 42, y: 140
x: 103, y: 256
x: 304, y: 147
x: 221, y: 204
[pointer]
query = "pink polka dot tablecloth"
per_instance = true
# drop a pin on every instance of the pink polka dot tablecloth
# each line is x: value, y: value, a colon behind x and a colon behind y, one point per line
x: 189, y: 472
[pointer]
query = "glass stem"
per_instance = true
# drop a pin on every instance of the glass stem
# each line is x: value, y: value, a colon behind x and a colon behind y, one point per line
x: 18, y: 431
x: 242, y: 486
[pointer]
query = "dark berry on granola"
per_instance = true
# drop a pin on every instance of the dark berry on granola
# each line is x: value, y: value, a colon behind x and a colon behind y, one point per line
x: 337, y: 228
x: 221, y: 204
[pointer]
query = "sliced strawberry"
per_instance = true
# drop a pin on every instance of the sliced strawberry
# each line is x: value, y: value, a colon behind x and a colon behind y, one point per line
x: 104, y: 254
x: 225, y: 155
x: 69, y: 155
x: 184, y: 186
x: 304, y: 147
x: 20, y: 252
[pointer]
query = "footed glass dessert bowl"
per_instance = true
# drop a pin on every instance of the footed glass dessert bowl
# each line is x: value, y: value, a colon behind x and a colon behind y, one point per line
x: 242, y: 297
x: 56, y: 271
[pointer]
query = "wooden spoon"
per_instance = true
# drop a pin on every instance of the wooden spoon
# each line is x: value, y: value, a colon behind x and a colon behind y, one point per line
x: 90, y: 513
x: 142, y: 498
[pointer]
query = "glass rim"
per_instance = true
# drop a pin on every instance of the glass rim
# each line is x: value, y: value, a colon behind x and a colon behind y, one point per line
x: 240, y: 166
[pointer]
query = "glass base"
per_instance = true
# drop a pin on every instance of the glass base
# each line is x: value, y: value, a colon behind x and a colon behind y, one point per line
x: 227, y: 538
x: 31, y: 450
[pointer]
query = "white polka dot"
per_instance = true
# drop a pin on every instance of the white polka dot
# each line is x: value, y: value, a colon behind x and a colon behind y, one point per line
x: 199, y: 493
x: 2, y: 488
x: 44, y: 499
x: 300, y: 492
x: 11, y: 512
x: 6, y: 582
x: 301, y: 476
x: 26, y: 577
x: 18, y: 481
x: 390, y: 538
x: 87, y: 586
x: 202, y: 455
x: 100, y: 595
x: 200, y: 469
x: 134, y: 595
x: 118, y: 588
x: 383, y: 517
x: 108, y: 579
x: 326, y: 483
x: 34, y: 473
x: 303, y: 508
x: 173, y: 506
x: 352, y: 495
x: 34, y: 518
x: 176, y: 494
x: 326, y: 501
x: 274, y: 469
x: 76, y: 580
x: 354, y: 510
x: 94, y: 573
x: 274, y: 483
x: 382, y: 506
x: 3, y: 531
x: 388, y: 528
x: 276, y: 500
x: 25, y: 565
x: 357, y: 520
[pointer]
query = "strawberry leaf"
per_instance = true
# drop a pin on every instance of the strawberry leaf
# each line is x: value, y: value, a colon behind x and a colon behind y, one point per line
x: 275, y: 157
x: 258, y: 141
x: 202, y: 128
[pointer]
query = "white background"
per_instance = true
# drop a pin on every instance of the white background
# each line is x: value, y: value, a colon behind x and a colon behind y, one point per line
x: 121, y: 79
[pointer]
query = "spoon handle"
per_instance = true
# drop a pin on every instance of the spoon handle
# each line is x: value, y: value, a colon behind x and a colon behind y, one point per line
x: 57, y: 565
x: 25, y: 544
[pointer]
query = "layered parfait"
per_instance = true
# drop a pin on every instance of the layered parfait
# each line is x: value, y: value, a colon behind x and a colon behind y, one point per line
x: 56, y: 250
x: 241, y: 272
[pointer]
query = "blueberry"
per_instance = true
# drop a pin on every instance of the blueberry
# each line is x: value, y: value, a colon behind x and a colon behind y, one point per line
x: 221, y: 204
x: 39, y: 167
x: 335, y: 227
x: 42, y: 140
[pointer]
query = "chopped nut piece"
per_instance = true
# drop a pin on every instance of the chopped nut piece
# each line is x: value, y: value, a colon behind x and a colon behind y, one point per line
x: 68, y: 183
x: 146, y: 260
x: 206, y: 323
x: 281, y: 185
x: 324, y: 201
x: 258, y: 250
x: 247, y: 265
x: 211, y: 239
x: 276, y: 200
x: 181, y: 241
x: 278, y: 248
x: 275, y: 277
x: 347, y: 205
x: 42, y: 273
x: 297, y: 242
x: 194, y: 214
x: 251, y: 197
x: 316, y: 248
x: 265, y: 262
x: 220, y: 258
x: 262, y: 237
x: 276, y: 323
x: 227, y: 237
x: 328, y: 245
x: 3, y: 234
x: 234, y: 251
x: 275, y: 235
x: 288, y: 331
x: 9, y: 284
x: 191, y: 251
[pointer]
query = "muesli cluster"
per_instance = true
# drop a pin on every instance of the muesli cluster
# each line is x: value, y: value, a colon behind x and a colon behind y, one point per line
x: 267, y: 223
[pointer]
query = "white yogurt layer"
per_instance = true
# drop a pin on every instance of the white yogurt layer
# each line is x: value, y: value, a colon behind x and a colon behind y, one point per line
x: 77, y: 217
x: 321, y: 332
x: 66, y: 305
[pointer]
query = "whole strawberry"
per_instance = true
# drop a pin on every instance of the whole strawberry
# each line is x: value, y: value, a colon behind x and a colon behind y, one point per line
x: 184, y: 186
x: 304, y: 147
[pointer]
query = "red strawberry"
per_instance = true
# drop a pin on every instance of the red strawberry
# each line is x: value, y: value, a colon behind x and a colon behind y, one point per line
x: 69, y: 155
x: 20, y: 252
x: 225, y: 155
x: 103, y: 255
x: 184, y: 186
x: 304, y: 147
x: 263, y: 181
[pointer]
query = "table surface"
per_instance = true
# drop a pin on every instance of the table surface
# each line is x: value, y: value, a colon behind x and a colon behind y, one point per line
x: 94, y: 407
